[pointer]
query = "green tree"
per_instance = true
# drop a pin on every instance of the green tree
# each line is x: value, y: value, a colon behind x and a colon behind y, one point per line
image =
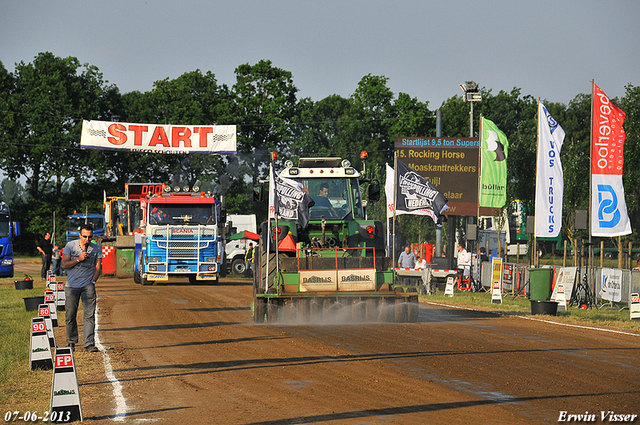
x: 46, y: 104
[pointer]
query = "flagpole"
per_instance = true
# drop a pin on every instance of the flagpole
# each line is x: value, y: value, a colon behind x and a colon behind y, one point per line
x: 480, y: 173
x: 271, y: 182
x: 395, y: 207
x: 536, y: 261
x: 388, y: 247
x: 593, y: 95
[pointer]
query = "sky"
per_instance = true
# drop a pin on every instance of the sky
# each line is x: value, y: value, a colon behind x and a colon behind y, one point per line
x: 550, y: 49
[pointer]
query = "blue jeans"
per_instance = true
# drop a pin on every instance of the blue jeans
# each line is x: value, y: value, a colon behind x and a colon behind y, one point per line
x: 55, y: 266
x: 73, y: 296
x: 46, y: 264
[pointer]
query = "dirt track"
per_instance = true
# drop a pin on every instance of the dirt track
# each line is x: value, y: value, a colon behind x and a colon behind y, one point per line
x: 190, y: 354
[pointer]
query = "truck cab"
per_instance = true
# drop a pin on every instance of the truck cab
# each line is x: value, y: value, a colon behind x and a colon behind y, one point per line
x: 179, y: 237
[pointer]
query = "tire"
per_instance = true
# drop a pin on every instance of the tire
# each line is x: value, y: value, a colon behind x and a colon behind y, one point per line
x: 386, y: 310
x: 146, y: 282
x: 371, y: 310
x: 414, y: 310
x: 136, y: 276
x: 359, y: 312
x: 238, y: 266
x: 400, y: 311
x: 258, y: 309
x: 303, y: 310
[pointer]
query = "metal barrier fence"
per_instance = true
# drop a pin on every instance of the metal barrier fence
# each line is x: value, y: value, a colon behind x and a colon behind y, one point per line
x: 516, y: 279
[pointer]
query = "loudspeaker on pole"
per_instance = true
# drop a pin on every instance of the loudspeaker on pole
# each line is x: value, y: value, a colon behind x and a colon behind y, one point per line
x: 40, y: 356
x: 65, y: 395
x: 580, y: 222
x: 471, y: 232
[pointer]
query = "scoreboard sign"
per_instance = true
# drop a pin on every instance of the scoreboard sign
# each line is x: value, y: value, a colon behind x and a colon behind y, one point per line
x: 452, y: 164
x: 137, y: 191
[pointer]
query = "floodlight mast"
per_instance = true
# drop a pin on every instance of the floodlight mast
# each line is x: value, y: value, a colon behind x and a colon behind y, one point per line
x: 471, y: 94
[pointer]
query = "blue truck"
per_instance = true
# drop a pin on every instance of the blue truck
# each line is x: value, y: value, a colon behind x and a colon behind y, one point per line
x: 75, y: 222
x: 8, y: 230
x: 179, y: 237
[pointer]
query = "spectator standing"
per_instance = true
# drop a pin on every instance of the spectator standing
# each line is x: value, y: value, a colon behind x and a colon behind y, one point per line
x: 464, y: 261
x: 248, y: 261
x: 56, y: 256
x: 483, y: 254
x: 407, y: 259
x: 46, y: 249
x: 83, y: 262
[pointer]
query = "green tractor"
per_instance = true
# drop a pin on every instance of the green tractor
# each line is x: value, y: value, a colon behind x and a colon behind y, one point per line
x: 335, y: 269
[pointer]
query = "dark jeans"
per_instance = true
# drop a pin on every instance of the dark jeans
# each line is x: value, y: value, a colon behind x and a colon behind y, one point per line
x: 88, y: 296
x: 46, y: 264
x: 55, y: 266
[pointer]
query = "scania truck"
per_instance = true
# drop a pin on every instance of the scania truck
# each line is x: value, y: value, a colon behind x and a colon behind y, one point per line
x: 179, y: 237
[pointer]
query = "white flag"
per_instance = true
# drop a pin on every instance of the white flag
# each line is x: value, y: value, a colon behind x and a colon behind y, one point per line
x: 549, y: 177
x: 388, y: 188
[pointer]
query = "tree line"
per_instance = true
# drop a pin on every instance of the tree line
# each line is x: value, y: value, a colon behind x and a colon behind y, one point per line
x: 43, y: 103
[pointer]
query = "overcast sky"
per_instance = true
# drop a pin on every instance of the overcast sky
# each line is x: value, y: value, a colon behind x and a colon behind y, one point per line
x: 551, y: 49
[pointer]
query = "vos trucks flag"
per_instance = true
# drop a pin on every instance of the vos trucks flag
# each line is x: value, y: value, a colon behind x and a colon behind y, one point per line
x: 416, y: 195
x: 493, y: 166
x: 609, y: 209
x: 287, y: 199
x: 153, y: 138
x: 549, y: 176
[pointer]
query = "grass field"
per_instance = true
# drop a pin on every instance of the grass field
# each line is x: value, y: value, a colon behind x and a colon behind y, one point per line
x: 22, y: 389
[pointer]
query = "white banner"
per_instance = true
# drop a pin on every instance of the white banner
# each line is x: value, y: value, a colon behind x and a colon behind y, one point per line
x: 153, y: 138
x: 609, y: 216
x: 611, y: 289
x: 549, y: 177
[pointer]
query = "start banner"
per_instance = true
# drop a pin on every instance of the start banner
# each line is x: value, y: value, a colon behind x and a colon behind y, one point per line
x: 155, y: 138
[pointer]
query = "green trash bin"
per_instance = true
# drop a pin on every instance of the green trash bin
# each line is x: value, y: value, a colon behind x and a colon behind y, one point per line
x: 540, y: 283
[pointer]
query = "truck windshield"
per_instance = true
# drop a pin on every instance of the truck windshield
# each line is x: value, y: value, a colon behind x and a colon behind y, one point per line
x: 182, y: 214
x: 334, y: 198
x: 5, y: 229
x: 75, y: 223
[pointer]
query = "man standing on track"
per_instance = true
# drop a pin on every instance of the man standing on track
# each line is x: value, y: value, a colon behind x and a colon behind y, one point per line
x: 46, y: 249
x: 83, y: 262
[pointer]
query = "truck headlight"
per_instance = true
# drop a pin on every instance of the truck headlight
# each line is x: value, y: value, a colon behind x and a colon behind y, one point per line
x: 209, y: 260
x: 7, y: 262
x: 153, y: 268
x: 154, y: 260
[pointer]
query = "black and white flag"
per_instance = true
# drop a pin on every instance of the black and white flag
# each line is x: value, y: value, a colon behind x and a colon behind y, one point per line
x: 287, y: 199
x: 417, y: 195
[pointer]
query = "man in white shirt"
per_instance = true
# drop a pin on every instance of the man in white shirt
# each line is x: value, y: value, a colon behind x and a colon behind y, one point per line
x: 464, y: 261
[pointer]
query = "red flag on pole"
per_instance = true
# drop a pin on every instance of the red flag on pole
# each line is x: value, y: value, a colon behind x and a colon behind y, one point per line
x: 609, y: 210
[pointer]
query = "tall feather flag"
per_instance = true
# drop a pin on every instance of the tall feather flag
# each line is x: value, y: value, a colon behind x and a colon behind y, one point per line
x: 287, y: 199
x: 414, y: 194
x: 493, y: 165
x: 549, y: 176
x: 608, y: 207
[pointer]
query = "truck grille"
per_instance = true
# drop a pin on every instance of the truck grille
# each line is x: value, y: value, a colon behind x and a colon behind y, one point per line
x: 182, y: 243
